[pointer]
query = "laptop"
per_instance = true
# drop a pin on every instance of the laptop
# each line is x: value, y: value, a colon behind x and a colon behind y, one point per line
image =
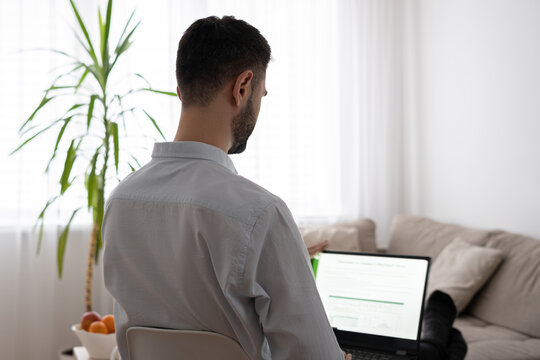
x: 374, y: 302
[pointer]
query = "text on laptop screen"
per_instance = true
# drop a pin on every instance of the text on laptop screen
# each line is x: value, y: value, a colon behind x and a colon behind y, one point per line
x: 372, y: 294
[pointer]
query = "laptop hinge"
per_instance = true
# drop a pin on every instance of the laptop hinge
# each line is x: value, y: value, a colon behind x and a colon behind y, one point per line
x: 401, y: 352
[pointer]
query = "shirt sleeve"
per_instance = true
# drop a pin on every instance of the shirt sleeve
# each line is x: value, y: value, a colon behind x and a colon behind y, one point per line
x: 285, y: 296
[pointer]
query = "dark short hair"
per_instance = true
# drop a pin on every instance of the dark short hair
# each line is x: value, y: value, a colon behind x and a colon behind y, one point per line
x: 213, y: 51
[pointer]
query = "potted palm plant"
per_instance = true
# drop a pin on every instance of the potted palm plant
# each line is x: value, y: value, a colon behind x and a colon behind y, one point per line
x: 96, y: 110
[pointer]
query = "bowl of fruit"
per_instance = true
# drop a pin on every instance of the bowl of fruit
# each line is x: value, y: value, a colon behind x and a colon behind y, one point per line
x: 96, y: 334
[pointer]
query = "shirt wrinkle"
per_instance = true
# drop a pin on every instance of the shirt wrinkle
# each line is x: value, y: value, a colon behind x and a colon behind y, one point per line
x: 243, y: 255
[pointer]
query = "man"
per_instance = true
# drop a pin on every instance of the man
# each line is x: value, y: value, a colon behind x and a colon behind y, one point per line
x: 189, y: 244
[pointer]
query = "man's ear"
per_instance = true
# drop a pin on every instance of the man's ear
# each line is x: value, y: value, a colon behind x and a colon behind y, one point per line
x: 242, y: 87
x: 178, y: 93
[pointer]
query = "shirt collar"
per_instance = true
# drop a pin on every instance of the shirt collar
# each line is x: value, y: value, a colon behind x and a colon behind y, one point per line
x: 193, y: 150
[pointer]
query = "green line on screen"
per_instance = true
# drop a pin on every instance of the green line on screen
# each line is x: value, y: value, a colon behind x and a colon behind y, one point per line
x: 377, y: 301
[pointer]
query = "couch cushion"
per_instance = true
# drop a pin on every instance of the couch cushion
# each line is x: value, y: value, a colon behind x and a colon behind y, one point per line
x: 461, y: 269
x: 512, y: 297
x: 491, y: 342
x: 340, y: 239
x: 416, y: 235
x: 356, y: 235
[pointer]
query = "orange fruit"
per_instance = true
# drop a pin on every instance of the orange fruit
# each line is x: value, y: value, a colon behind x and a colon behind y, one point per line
x: 98, y: 327
x: 109, y: 321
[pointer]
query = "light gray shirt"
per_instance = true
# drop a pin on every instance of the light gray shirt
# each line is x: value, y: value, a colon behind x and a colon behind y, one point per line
x: 189, y: 244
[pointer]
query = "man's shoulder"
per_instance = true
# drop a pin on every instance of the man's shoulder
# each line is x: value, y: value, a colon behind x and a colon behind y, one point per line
x: 209, y: 187
x: 242, y: 193
x: 247, y: 186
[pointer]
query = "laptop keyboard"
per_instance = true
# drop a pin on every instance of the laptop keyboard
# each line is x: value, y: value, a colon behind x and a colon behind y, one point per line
x: 358, y: 354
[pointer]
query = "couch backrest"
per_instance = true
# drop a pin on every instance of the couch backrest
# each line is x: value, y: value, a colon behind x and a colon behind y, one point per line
x: 417, y: 235
x: 366, y: 233
x: 512, y: 297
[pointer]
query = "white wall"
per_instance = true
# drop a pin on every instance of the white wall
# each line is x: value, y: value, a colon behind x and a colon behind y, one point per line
x: 477, y: 132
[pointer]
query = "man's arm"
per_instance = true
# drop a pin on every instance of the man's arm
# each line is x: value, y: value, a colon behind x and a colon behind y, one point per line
x: 286, y: 299
x: 317, y: 248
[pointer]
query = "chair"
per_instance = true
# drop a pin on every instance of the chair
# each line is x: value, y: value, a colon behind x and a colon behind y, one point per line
x: 146, y: 343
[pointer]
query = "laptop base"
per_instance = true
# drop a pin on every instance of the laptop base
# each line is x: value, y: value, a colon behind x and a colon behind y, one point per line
x: 363, y: 354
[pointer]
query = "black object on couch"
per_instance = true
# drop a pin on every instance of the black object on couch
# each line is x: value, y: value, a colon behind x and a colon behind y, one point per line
x: 440, y: 341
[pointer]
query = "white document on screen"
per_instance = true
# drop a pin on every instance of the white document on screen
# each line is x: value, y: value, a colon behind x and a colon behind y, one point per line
x: 372, y: 294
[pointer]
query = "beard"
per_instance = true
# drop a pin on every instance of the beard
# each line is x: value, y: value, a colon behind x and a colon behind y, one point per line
x: 242, y: 127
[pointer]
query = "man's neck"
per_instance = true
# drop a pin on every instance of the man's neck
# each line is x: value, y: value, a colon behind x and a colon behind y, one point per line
x: 206, y: 125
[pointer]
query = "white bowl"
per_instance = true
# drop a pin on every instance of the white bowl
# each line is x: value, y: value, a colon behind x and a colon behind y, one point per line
x: 99, y: 346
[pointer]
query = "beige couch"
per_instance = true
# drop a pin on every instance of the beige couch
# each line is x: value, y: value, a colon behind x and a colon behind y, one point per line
x: 502, y: 321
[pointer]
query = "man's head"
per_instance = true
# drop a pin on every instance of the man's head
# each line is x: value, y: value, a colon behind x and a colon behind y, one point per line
x: 212, y: 53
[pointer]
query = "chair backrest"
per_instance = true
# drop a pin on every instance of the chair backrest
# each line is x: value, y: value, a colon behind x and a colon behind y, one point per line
x: 166, y: 344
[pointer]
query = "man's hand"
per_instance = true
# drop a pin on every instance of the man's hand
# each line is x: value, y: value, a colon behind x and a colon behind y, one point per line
x: 347, y: 356
x: 317, y: 248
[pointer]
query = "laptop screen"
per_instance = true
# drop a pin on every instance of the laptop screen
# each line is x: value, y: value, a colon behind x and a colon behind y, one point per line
x: 372, y: 294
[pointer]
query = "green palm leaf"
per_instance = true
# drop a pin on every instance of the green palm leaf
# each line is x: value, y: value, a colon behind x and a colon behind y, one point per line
x: 35, y: 135
x: 154, y: 123
x: 68, y: 165
x: 113, y: 128
x: 160, y: 92
x: 90, y: 50
x: 41, y: 218
x: 105, y: 30
x: 43, y: 102
x: 86, y: 80
x: 90, y: 110
x: 62, y: 242
x: 92, y: 182
x: 125, y: 44
x: 58, y: 138
x: 81, y: 80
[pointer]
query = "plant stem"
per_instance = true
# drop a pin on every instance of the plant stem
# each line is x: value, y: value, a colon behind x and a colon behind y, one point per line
x: 94, y: 238
x: 90, y: 267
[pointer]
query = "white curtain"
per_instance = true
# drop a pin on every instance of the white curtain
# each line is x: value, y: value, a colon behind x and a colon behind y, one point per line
x: 38, y: 309
x: 328, y: 138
